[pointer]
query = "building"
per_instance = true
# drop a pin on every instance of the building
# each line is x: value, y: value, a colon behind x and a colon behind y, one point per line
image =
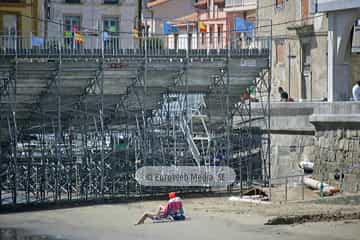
x: 243, y: 9
x: 90, y: 18
x: 160, y: 11
x: 176, y: 14
x: 343, y: 64
x: 213, y: 17
x: 299, y: 48
x: 18, y: 18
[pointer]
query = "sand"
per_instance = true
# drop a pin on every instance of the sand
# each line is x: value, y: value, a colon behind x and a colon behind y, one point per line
x: 210, y: 218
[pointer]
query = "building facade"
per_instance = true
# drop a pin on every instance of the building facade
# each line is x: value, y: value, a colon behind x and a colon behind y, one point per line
x: 91, y: 18
x: 299, y: 48
x: 19, y: 17
x: 243, y: 9
x: 343, y: 36
x: 159, y: 11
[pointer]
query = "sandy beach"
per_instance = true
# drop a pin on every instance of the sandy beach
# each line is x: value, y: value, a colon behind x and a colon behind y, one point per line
x: 209, y: 218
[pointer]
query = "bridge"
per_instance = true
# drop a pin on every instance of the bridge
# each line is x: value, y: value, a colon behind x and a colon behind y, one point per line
x: 77, y: 121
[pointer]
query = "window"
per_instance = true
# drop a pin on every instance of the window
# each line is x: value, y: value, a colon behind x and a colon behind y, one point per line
x: 305, y: 8
x: 72, y: 23
x: 73, y: 1
x: 111, y: 25
x: 202, y: 38
x: 211, y: 35
x: 176, y: 40
x: 219, y: 34
x: 279, y: 45
x: 71, y: 28
x: 279, y: 3
x: 111, y: 28
x: 111, y: 1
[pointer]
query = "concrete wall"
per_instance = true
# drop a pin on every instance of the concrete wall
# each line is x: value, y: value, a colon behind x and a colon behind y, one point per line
x: 327, y: 134
x: 292, y: 136
x: 293, y: 35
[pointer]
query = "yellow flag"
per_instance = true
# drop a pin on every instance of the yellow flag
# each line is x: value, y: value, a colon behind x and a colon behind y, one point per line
x: 136, y: 33
x: 78, y: 38
x: 202, y: 27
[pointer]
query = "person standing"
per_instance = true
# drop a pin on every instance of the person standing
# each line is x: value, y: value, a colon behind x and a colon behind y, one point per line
x: 356, y: 91
x: 284, y: 96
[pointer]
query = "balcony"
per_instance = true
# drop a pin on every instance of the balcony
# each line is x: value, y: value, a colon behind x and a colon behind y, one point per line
x: 335, y: 5
x: 239, y: 5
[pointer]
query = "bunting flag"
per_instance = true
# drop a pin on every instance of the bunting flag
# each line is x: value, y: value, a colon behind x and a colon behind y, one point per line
x: 112, y: 29
x: 169, y: 29
x: 105, y: 35
x: 136, y: 33
x: 68, y: 34
x: 37, y: 41
x: 242, y: 25
x: 202, y: 27
x: 78, y: 38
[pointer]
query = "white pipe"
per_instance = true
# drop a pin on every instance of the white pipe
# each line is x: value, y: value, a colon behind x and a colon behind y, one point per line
x: 315, y: 184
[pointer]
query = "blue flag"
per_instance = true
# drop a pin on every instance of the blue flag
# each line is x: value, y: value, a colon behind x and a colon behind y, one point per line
x: 241, y: 25
x: 37, y: 41
x: 168, y: 28
x: 105, y: 35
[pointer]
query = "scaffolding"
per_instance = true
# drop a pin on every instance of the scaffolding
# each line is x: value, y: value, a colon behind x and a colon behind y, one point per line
x: 76, y: 123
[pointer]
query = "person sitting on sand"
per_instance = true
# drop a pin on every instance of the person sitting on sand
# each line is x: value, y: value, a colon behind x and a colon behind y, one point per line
x: 173, y: 210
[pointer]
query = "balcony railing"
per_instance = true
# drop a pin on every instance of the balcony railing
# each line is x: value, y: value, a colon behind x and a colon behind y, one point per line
x: 123, y: 43
x: 240, y: 3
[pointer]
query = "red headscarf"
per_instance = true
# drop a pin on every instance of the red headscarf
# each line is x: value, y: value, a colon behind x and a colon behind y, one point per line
x: 172, y: 195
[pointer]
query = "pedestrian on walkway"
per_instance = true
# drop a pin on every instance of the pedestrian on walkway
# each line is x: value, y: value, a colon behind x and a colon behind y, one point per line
x: 356, y: 91
x: 284, y: 96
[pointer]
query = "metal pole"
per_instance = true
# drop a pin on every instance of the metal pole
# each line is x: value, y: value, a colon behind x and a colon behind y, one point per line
x: 46, y: 22
x: 139, y: 8
x: 228, y: 126
x: 302, y: 187
x: 58, y: 138
x: 146, y: 58
x: 0, y: 163
x: 102, y: 133
x: 289, y: 70
x: 269, y: 101
x: 286, y: 189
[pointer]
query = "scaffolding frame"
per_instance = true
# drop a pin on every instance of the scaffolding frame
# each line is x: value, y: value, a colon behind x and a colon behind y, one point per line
x: 88, y: 145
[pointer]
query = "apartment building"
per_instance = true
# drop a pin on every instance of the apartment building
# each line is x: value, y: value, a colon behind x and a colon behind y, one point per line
x: 299, y: 48
x: 239, y: 9
x: 19, y: 17
x: 160, y: 11
x: 212, y: 17
x: 90, y: 18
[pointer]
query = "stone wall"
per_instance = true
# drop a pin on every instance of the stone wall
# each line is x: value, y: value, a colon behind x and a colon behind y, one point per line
x: 337, y: 144
x: 327, y: 134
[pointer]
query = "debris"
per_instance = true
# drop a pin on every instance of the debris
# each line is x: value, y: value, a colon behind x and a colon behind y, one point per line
x: 248, y: 200
x: 322, y: 217
x: 307, y: 166
x: 253, y: 195
x: 315, y: 184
